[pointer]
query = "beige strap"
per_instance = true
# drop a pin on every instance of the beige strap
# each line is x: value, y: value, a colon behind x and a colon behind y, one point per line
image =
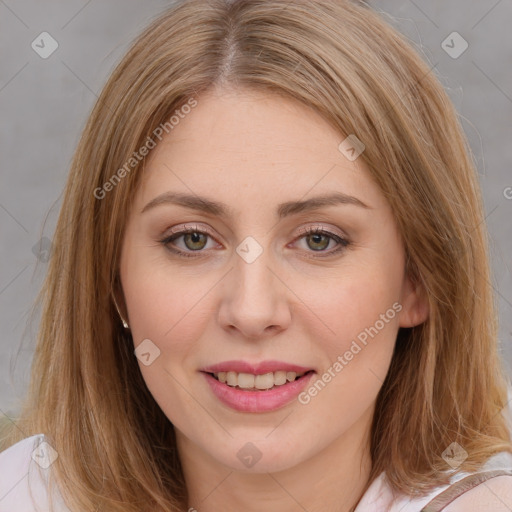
x: 460, y: 487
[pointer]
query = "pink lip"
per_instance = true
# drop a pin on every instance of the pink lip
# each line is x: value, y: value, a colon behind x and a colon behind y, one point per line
x: 257, y: 401
x: 256, y: 368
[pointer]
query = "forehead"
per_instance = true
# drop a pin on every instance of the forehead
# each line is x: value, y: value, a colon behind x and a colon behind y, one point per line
x: 243, y: 144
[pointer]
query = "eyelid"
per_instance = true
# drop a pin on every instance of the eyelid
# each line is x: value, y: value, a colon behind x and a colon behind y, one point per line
x: 328, y: 229
x: 302, y: 231
x: 188, y: 227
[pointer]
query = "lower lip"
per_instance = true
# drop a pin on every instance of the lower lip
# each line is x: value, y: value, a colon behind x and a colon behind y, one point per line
x: 258, y: 401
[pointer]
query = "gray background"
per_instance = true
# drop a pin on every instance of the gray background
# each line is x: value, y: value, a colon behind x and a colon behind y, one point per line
x: 44, y: 104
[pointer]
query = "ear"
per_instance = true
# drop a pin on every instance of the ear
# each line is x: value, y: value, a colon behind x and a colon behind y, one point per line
x: 414, y: 301
x: 119, y: 302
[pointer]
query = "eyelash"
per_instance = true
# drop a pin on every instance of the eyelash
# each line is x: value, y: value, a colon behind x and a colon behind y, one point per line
x: 342, y: 242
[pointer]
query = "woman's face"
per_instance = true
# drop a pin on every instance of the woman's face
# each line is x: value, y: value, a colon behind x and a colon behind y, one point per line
x: 249, y: 291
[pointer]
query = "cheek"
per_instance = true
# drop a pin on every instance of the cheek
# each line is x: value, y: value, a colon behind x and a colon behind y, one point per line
x: 359, y: 316
x: 164, y: 305
x: 171, y: 310
x: 351, y: 303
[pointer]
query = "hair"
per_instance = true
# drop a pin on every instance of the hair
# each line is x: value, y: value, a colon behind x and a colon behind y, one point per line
x: 446, y: 382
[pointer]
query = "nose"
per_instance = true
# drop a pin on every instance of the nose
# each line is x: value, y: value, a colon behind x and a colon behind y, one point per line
x: 255, y: 299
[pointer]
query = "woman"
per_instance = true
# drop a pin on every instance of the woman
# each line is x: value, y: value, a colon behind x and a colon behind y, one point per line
x: 269, y: 286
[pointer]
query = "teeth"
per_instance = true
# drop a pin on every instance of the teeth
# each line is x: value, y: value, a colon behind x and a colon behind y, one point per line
x: 265, y: 381
x: 279, y: 378
x: 232, y: 378
x: 250, y: 381
x: 246, y: 380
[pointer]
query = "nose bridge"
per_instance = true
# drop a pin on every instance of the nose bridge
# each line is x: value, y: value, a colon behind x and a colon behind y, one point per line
x: 253, y: 299
x: 252, y: 275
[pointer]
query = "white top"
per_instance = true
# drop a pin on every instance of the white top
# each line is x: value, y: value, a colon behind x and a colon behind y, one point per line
x: 24, y: 468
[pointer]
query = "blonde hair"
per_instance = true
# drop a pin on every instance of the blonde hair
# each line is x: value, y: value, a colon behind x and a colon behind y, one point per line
x: 445, y: 384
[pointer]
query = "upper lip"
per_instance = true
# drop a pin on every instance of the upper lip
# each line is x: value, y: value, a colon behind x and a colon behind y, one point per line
x: 255, y: 368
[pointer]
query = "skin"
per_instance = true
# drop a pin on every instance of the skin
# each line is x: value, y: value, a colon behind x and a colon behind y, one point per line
x: 254, y: 151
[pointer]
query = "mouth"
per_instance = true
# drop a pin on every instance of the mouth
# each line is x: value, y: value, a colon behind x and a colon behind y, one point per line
x: 257, y: 388
x: 257, y: 382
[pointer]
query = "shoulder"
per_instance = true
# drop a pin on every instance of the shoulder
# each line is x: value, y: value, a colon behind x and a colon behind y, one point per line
x: 493, y: 495
x: 22, y: 467
x: 488, y: 495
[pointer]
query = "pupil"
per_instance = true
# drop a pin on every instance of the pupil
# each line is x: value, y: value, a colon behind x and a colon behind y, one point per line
x: 317, y: 239
x: 192, y: 239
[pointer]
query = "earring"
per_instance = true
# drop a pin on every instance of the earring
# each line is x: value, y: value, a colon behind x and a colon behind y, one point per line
x: 125, y: 324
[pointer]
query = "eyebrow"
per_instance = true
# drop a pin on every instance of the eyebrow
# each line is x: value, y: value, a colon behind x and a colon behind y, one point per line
x: 286, y: 209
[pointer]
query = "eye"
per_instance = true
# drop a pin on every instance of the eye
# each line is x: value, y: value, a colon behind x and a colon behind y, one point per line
x: 195, y: 240
x: 318, y: 239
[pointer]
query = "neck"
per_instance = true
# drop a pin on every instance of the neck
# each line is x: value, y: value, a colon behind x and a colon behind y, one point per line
x: 332, y: 480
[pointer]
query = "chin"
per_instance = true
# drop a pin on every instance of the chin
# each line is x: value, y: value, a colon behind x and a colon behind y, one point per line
x: 252, y: 455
